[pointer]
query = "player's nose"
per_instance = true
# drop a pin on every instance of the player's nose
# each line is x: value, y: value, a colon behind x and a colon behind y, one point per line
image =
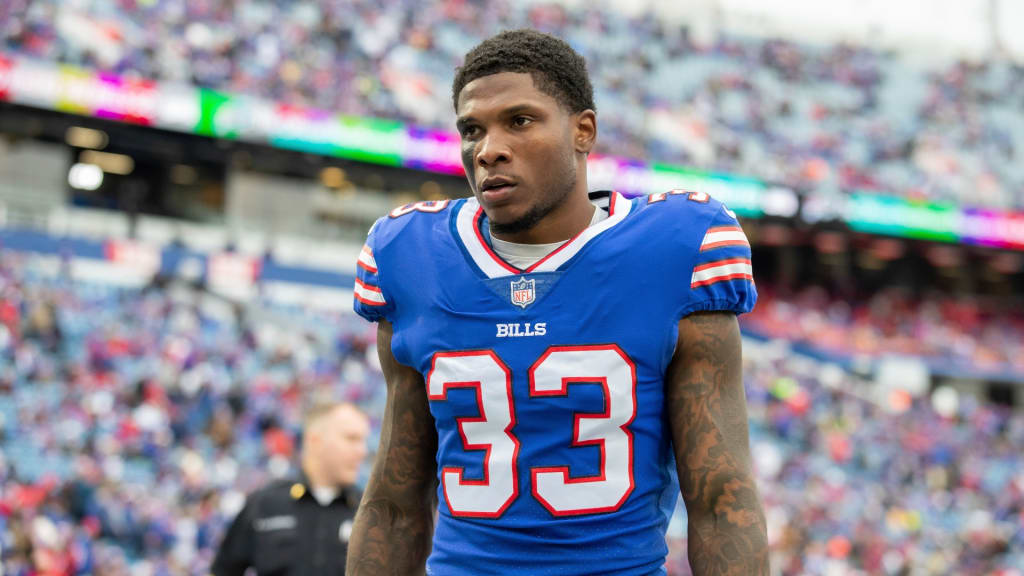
x: 491, y: 150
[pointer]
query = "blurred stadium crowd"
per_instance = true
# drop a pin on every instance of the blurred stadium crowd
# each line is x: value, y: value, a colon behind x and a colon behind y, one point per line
x: 132, y: 423
x: 820, y: 119
x: 957, y: 333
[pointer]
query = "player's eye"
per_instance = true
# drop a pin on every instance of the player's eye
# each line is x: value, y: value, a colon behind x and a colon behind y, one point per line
x: 521, y: 121
x: 468, y: 131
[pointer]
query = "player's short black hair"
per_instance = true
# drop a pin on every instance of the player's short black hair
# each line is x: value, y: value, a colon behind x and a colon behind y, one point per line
x: 557, y: 69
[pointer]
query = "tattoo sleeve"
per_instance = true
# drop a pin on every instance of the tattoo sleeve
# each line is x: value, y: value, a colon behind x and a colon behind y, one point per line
x: 708, y: 417
x: 395, y: 522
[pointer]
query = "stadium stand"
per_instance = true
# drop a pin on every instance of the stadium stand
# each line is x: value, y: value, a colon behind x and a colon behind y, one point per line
x: 952, y: 334
x: 113, y: 395
x: 851, y: 488
x: 133, y: 421
x: 826, y: 120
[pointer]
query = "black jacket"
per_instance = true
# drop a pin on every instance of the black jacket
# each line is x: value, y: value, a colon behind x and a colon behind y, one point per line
x: 284, y: 531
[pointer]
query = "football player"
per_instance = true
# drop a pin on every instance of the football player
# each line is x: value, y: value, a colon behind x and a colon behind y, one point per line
x: 551, y: 355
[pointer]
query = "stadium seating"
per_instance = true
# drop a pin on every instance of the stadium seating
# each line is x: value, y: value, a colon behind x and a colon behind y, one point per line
x: 820, y: 119
x: 132, y: 423
x: 952, y: 335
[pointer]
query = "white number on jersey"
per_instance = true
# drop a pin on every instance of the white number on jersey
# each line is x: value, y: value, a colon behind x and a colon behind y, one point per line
x: 551, y: 376
x: 491, y: 432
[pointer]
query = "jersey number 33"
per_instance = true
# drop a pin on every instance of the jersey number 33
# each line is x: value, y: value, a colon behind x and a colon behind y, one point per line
x: 493, y: 430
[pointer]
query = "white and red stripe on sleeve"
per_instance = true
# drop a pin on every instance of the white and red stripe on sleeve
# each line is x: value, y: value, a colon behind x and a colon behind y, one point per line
x: 722, y: 277
x: 720, y: 271
x: 723, y: 236
x: 366, y: 260
x: 367, y: 289
x: 369, y: 294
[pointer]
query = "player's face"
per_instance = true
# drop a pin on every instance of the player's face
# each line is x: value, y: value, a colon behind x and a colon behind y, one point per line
x: 521, y: 149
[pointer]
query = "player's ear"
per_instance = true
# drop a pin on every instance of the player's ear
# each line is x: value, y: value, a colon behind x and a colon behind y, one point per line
x: 585, y: 131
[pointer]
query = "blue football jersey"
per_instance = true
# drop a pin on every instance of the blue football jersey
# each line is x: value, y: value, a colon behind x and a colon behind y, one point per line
x: 547, y: 384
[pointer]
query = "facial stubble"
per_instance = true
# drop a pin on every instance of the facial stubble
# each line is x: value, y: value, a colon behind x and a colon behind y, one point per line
x: 538, y: 211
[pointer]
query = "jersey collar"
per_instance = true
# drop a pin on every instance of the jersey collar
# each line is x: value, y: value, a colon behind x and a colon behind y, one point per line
x: 468, y: 221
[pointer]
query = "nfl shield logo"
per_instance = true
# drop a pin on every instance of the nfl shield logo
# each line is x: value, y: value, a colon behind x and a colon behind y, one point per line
x: 522, y: 292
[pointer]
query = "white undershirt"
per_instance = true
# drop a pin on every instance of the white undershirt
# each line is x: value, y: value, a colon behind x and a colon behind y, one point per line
x: 324, y: 496
x: 523, y: 256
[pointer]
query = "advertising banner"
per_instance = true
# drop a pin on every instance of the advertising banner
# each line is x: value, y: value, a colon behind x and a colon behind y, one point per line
x: 934, y: 221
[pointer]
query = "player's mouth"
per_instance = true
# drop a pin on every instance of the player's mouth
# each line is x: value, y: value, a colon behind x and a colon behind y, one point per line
x: 496, y: 189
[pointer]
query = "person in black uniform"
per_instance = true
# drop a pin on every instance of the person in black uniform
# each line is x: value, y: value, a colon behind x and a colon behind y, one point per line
x: 301, y: 527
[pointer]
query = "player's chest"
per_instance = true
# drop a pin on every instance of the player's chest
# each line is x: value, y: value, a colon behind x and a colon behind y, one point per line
x: 520, y: 318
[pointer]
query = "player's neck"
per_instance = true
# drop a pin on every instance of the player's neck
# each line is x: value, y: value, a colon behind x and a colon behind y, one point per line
x: 564, y: 222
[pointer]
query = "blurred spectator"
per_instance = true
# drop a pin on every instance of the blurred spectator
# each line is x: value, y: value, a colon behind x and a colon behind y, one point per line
x: 302, y: 525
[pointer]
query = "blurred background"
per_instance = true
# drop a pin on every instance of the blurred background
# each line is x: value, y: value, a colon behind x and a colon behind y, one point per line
x: 185, y: 187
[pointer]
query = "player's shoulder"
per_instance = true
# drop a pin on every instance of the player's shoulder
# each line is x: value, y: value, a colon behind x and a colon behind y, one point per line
x: 704, y: 247
x: 681, y: 214
x: 395, y: 243
x: 408, y: 221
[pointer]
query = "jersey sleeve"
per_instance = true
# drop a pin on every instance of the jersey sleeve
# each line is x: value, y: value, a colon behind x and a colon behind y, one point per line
x: 722, y: 278
x: 370, y: 298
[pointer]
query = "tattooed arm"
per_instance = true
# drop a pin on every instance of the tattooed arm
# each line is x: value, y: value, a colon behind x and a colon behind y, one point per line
x: 708, y: 417
x: 393, y: 527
